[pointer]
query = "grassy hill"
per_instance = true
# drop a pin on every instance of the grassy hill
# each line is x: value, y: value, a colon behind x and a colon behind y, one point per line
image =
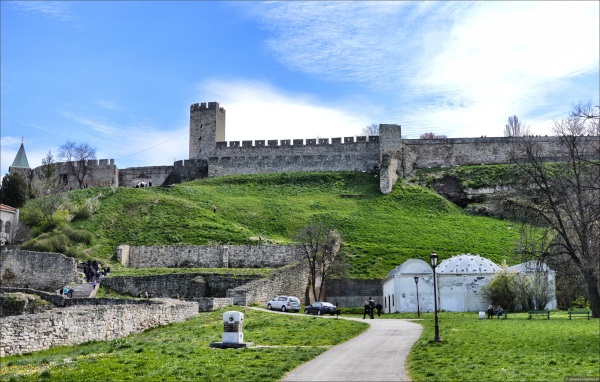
x: 381, y: 231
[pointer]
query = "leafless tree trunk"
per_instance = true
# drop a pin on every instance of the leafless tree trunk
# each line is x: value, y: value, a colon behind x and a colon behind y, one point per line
x: 76, y: 157
x: 46, y: 188
x: 321, y: 249
x: 564, y: 197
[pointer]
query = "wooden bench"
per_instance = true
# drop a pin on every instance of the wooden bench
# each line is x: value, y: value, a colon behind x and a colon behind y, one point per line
x: 580, y: 313
x: 532, y: 312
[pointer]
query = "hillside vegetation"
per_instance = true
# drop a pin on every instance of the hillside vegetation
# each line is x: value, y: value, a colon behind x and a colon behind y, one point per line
x: 380, y: 231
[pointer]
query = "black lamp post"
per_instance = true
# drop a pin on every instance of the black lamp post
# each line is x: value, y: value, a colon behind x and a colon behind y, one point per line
x: 433, y: 258
x: 417, y: 285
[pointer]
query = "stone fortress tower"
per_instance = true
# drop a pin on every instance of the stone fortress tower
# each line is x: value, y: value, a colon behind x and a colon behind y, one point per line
x: 207, y: 126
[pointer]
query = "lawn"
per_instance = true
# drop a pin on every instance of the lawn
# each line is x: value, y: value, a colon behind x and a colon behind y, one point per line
x: 181, y: 351
x: 515, y: 349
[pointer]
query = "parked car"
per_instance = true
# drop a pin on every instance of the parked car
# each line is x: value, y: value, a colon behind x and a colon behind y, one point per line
x: 284, y: 303
x: 320, y: 308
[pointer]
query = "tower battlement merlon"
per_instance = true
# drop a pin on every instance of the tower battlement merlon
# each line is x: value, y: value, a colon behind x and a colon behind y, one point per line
x: 206, y: 106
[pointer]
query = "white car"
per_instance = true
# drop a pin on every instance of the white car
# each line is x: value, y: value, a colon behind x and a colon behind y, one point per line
x: 284, y: 303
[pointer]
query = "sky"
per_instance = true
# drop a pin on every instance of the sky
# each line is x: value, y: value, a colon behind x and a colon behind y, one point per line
x: 121, y: 75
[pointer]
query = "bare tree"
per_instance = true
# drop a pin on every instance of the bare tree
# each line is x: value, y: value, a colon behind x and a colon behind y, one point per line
x: 76, y: 157
x: 515, y: 128
x: 432, y: 136
x: 321, y: 248
x: 371, y: 130
x: 563, y: 197
x: 46, y: 188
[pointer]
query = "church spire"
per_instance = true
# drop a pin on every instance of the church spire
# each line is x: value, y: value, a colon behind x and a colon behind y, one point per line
x: 21, y: 158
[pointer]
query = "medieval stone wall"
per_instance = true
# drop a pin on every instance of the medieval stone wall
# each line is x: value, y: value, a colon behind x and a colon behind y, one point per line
x: 184, y: 285
x: 433, y: 153
x: 131, y: 176
x: 38, y: 270
x: 217, y: 256
x: 79, y: 324
x: 353, y: 292
x: 258, y: 157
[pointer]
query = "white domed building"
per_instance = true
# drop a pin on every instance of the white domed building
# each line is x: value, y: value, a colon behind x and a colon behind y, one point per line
x: 459, y: 280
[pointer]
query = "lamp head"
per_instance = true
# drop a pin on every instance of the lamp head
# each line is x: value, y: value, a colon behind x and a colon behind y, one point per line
x: 433, y: 258
x: 416, y: 279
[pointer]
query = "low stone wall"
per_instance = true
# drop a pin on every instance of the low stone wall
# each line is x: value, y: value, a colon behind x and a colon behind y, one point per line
x: 184, y: 285
x: 354, y: 292
x: 38, y: 270
x: 210, y: 304
x: 79, y: 324
x: 215, y: 256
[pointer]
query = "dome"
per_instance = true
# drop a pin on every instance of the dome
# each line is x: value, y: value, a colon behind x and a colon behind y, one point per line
x: 468, y: 263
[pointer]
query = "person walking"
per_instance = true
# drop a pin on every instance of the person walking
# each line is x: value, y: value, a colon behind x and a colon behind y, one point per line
x: 371, y: 308
x: 367, y: 310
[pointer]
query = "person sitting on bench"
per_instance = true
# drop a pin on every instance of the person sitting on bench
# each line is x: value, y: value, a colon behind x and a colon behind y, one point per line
x: 499, y: 311
x: 490, y: 311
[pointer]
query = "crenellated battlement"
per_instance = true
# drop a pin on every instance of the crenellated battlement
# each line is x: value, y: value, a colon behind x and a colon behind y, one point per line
x: 206, y: 106
x: 297, y: 143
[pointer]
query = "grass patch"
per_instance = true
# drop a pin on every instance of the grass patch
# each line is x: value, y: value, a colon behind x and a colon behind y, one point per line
x: 181, y: 352
x: 515, y: 349
x: 381, y: 231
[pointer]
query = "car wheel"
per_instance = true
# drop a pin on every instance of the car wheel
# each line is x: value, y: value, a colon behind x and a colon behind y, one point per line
x: 283, y: 308
x: 319, y: 312
x: 305, y: 311
x: 269, y: 307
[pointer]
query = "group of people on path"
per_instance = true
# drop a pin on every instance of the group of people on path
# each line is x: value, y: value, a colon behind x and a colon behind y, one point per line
x: 370, y: 308
x: 93, y: 271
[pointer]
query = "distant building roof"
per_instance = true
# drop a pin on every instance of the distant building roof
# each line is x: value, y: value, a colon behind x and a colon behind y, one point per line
x: 21, y: 158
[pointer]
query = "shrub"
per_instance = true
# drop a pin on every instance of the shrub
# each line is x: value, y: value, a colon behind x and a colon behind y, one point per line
x: 501, y: 290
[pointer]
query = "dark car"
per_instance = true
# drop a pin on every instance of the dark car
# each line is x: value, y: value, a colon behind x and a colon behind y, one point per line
x: 320, y: 308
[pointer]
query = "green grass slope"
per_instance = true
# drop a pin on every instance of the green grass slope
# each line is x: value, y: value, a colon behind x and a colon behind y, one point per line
x: 381, y: 231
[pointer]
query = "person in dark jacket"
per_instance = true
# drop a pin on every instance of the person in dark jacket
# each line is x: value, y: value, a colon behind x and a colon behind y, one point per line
x: 371, y: 307
x: 367, y: 310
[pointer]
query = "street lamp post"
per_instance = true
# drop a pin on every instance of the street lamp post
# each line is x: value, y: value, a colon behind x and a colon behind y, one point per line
x: 417, y: 285
x: 433, y: 258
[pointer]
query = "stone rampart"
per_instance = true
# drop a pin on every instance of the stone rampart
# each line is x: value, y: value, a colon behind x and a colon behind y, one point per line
x: 353, y: 292
x: 347, y: 154
x: 217, y: 256
x: 184, y: 285
x: 433, y: 153
x: 131, y: 176
x: 79, y: 324
x: 291, y: 280
x: 37, y: 270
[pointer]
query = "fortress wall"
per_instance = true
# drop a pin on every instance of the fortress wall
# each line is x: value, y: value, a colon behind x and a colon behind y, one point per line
x: 291, y: 281
x: 131, y: 176
x: 217, y: 256
x: 353, y: 292
x: 37, y: 270
x: 361, y: 154
x: 102, y: 172
x: 431, y: 153
x: 79, y: 324
x: 184, y: 285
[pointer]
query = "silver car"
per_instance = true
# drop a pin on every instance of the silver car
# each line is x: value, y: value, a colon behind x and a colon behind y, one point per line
x: 284, y: 303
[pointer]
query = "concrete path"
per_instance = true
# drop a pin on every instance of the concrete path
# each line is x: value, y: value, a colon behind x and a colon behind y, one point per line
x: 82, y: 290
x: 378, y: 354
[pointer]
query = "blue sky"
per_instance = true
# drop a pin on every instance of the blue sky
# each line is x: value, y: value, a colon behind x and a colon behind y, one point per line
x: 121, y: 76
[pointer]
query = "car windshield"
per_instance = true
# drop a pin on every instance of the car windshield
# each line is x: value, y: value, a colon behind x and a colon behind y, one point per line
x: 327, y: 304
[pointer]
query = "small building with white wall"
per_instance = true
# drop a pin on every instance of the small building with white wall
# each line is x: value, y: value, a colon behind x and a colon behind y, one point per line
x: 9, y: 221
x: 459, y: 280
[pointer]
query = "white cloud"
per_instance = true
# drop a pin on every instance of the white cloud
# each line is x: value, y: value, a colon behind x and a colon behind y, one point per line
x: 58, y: 10
x: 459, y: 68
x: 257, y: 110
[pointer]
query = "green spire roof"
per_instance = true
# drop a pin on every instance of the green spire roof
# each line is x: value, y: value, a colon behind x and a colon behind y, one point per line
x: 21, y: 158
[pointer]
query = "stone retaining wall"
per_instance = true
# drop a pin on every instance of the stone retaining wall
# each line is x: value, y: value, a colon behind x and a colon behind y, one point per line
x: 37, y: 270
x: 215, y: 256
x: 79, y: 324
x: 353, y: 292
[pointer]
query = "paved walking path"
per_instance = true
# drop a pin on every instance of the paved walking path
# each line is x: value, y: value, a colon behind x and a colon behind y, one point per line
x: 82, y: 290
x: 378, y: 354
